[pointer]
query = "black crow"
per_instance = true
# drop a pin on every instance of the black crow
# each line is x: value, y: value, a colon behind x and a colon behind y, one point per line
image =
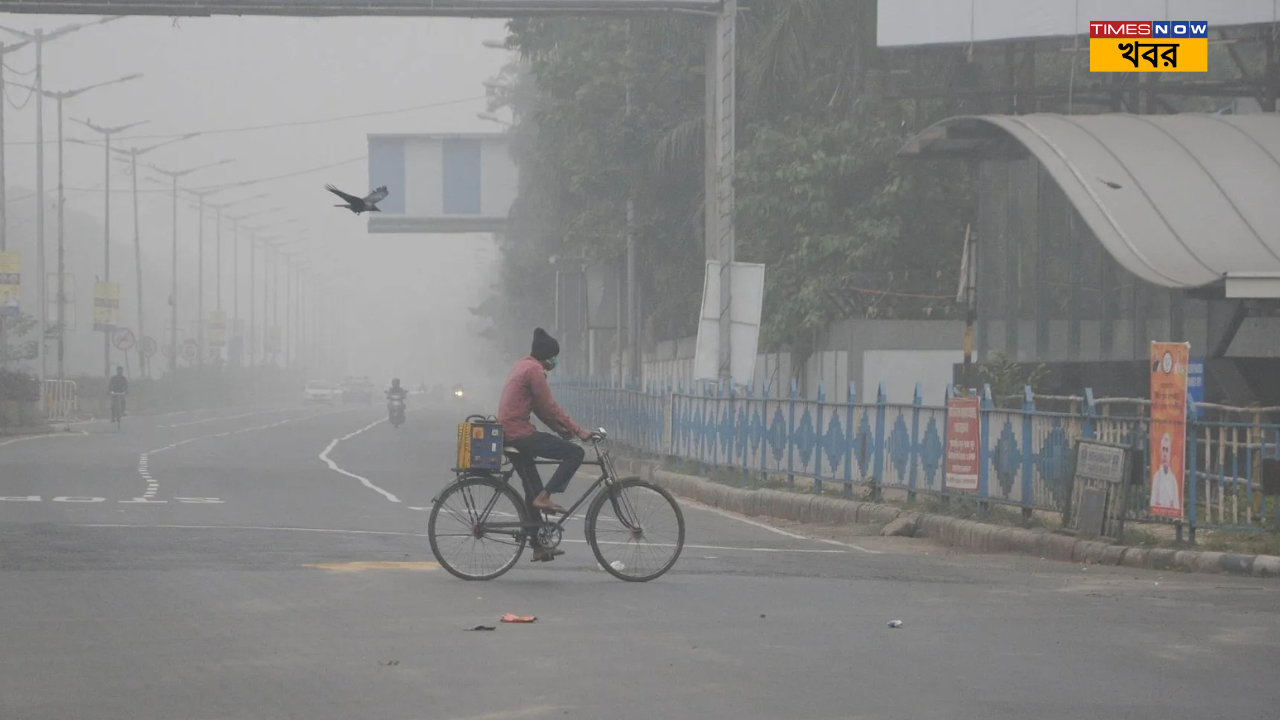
x: 357, y: 205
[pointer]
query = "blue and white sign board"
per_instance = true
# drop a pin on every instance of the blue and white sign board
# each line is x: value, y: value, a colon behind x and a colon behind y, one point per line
x: 442, y: 183
x: 1195, y: 383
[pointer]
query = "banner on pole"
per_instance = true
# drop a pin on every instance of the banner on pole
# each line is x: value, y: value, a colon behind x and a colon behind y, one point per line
x: 217, y: 336
x: 10, y: 284
x: 106, y: 306
x: 1168, y: 427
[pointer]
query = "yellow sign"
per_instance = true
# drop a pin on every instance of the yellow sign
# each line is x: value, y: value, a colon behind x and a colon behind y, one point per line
x: 217, y: 329
x: 10, y: 283
x: 1149, y: 46
x: 106, y: 306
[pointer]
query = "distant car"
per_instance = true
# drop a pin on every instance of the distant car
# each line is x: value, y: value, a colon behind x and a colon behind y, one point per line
x: 357, y: 390
x: 318, y: 392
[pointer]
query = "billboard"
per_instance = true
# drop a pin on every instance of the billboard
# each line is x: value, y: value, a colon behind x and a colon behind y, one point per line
x: 10, y: 284
x: 442, y: 183
x: 351, y: 8
x: 746, y: 303
x: 906, y: 23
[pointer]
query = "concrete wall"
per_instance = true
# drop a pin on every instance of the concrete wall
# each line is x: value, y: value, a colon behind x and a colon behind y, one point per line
x: 841, y: 357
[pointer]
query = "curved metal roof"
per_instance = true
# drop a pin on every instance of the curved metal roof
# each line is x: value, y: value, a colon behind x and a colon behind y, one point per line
x: 1179, y: 200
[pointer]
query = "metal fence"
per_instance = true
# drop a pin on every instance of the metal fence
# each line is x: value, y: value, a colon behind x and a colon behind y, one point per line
x: 1026, y: 453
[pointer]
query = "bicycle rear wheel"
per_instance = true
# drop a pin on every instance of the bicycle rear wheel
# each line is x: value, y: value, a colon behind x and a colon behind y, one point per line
x: 635, y: 529
x: 459, y: 530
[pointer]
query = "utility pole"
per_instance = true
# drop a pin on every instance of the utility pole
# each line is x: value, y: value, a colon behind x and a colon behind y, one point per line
x: 62, y: 199
x: 173, y: 176
x: 39, y: 38
x: 132, y: 158
x: 200, y: 316
x: 106, y: 133
x: 4, y: 217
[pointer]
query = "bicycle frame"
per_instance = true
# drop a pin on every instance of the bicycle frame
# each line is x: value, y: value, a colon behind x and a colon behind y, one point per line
x: 607, y: 475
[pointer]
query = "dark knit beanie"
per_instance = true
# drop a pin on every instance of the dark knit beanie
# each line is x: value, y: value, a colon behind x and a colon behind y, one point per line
x: 545, y: 347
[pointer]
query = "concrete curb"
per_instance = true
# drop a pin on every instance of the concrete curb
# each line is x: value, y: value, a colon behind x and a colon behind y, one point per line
x: 944, y: 530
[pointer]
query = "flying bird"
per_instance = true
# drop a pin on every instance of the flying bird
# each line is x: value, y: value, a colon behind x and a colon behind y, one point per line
x: 368, y: 203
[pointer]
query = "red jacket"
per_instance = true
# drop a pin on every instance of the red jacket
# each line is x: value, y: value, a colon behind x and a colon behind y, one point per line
x: 527, y: 391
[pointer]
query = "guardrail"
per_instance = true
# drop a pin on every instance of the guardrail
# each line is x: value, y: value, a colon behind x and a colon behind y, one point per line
x: 1026, y: 450
x: 61, y: 401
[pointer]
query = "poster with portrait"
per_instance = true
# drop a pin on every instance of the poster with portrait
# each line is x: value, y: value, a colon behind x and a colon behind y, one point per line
x: 1168, y: 428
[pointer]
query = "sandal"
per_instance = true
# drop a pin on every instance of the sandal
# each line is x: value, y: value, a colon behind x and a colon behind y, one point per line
x: 550, y: 509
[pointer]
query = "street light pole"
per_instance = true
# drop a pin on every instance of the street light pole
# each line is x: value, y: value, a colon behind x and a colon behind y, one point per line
x: 132, y: 158
x: 62, y: 198
x: 39, y: 38
x: 235, y: 261
x: 173, y: 175
x: 106, y: 133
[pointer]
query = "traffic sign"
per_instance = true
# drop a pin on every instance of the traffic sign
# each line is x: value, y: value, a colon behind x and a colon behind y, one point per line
x: 189, y: 350
x: 123, y: 339
x: 147, y: 347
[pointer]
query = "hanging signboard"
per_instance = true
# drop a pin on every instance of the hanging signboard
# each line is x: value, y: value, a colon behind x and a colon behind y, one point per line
x: 217, y: 329
x: 10, y: 284
x: 106, y: 306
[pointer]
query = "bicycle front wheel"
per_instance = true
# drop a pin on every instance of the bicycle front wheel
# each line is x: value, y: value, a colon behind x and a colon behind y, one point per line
x: 635, y: 529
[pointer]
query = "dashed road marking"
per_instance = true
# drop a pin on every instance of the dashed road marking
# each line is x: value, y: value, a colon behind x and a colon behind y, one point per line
x: 390, y: 533
x: 354, y: 567
x: 231, y: 417
x: 684, y: 502
x: 324, y: 457
x: 28, y: 438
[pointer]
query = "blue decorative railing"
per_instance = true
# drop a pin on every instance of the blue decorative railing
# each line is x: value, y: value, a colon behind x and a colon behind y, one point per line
x: 1026, y: 454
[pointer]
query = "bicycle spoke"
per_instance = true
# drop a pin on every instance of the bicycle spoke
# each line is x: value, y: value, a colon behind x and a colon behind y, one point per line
x: 462, y: 539
x: 643, y: 537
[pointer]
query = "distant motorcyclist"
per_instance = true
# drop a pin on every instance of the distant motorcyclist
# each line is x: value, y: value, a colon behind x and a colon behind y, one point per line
x: 396, y: 402
x: 396, y: 392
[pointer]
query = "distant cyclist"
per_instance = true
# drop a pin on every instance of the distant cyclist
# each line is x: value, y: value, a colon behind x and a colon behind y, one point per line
x: 118, y: 387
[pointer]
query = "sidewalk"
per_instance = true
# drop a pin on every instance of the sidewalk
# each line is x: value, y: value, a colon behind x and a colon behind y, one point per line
x: 944, y: 530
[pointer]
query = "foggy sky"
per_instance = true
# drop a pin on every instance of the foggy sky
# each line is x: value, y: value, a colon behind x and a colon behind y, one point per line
x: 209, y: 74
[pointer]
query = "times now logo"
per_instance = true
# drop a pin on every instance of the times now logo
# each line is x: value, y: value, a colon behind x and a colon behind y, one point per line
x: 1149, y: 29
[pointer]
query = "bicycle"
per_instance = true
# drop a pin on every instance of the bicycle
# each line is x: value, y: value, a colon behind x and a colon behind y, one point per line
x: 480, y: 492
x: 117, y: 408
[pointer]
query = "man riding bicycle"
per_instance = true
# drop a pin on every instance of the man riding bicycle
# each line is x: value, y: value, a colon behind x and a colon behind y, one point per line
x: 117, y: 388
x: 527, y: 391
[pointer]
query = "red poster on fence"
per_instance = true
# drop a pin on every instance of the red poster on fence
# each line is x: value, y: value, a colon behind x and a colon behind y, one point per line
x: 1168, y: 427
x: 964, y: 443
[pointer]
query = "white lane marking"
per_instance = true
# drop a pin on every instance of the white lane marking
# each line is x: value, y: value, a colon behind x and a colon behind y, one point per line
x: 26, y: 438
x: 389, y: 533
x: 230, y: 417
x: 803, y: 551
x: 324, y: 457
x: 144, y: 460
x: 772, y: 529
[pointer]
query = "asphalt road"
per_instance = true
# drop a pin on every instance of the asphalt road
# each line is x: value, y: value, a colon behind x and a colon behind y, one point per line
x: 215, y: 566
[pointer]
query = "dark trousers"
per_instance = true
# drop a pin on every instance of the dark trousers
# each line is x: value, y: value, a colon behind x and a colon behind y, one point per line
x: 546, y: 445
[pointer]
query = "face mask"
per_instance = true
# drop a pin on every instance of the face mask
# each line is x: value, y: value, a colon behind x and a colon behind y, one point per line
x: 551, y: 364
